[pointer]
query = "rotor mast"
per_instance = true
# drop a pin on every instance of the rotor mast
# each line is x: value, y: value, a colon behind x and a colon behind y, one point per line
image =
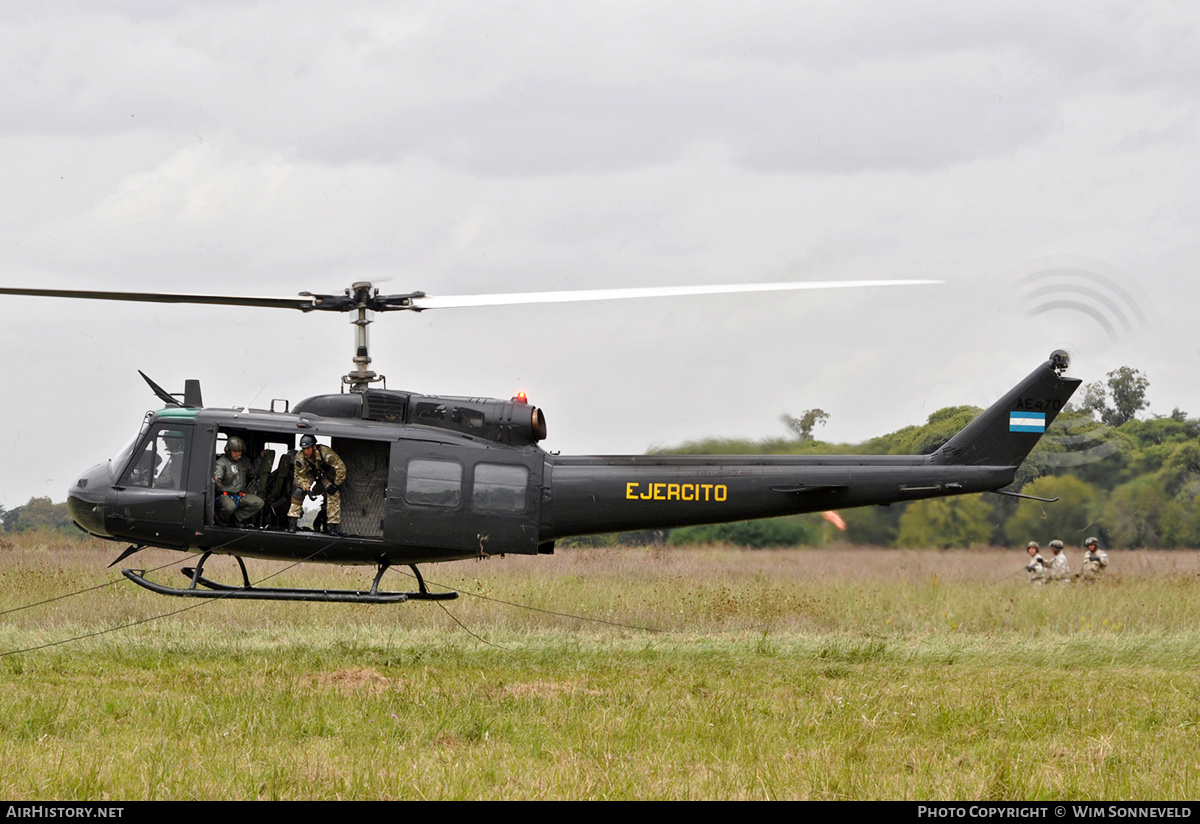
x: 361, y: 377
x: 364, y: 302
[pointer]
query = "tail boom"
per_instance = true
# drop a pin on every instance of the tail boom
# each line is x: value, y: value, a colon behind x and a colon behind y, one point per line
x: 591, y: 494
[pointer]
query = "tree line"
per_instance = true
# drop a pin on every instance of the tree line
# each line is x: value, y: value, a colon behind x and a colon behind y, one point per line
x: 37, y: 513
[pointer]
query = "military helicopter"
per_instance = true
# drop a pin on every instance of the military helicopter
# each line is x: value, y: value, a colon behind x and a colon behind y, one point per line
x: 438, y: 478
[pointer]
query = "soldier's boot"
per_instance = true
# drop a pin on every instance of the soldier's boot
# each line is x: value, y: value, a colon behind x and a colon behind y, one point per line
x: 332, y: 529
x: 291, y: 525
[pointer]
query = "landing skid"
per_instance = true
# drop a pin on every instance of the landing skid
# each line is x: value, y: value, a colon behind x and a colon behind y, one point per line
x: 214, y: 589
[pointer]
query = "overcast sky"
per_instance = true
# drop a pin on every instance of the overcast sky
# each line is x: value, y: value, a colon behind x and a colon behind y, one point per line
x: 1040, y: 159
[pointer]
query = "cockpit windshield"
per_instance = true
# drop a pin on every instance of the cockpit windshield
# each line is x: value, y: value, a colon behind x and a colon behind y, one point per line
x: 117, y: 464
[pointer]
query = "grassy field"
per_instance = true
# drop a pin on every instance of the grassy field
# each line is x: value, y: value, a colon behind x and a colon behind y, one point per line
x: 824, y: 674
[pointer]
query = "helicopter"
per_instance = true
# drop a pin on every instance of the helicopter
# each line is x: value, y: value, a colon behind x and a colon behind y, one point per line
x: 432, y: 478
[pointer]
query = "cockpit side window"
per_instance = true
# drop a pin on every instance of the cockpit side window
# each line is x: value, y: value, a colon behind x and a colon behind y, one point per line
x: 161, y: 461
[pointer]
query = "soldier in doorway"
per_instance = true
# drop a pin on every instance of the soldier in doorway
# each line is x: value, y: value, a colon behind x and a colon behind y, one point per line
x: 319, y: 471
x: 234, y: 504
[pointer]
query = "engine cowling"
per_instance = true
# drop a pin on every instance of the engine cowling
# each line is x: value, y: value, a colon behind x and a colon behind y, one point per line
x: 511, y: 422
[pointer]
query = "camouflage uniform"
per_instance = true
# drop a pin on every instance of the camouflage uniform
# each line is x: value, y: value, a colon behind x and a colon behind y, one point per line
x: 1060, y: 569
x: 231, y: 479
x: 1095, y: 561
x: 312, y: 474
x: 1036, y: 569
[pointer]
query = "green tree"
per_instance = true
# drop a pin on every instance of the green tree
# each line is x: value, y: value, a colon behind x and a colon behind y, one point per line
x: 946, y: 522
x: 872, y: 525
x: 1134, y: 512
x: 1069, y: 518
x: 1181, y: 472
x: 941, y: 426
x: 1180, y: 522
x: 802, y: 427
x: 38, y: 512
x: 1094, y: 400
x: 1127, y: 388
x: 1078, y: 444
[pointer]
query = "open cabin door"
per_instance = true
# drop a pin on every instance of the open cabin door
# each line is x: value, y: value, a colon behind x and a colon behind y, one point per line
x: 363, y: 495
x: 464, y: 500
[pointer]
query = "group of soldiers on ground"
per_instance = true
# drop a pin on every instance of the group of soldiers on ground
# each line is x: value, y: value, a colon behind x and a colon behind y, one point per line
x: 1058, y: 569
x: 243, y: 491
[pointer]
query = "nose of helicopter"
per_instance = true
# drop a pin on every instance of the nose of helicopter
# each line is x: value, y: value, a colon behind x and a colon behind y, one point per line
x: 85, y: 500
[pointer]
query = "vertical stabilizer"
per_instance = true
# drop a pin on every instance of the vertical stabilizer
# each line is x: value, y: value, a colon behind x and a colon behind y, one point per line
x: 1009, y: 429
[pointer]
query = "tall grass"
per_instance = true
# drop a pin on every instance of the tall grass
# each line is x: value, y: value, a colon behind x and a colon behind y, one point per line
x: 721, y: 674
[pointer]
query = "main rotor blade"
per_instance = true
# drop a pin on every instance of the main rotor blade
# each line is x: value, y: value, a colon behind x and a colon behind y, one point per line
x: 302, y: 302
x: 418, y: 301
x: 421, y: 302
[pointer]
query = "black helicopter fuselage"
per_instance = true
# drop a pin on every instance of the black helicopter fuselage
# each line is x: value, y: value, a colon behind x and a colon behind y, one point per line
x: 438, y: 479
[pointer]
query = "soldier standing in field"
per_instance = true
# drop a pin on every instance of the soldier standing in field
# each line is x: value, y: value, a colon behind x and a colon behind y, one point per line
x: 1060, y: 569
x: 319, y: 471
x: 1095, y: 560
x: 1037, y: 564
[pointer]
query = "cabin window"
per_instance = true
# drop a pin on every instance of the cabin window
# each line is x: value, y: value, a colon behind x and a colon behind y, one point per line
x: 437, y: 483
x: 500, y: 488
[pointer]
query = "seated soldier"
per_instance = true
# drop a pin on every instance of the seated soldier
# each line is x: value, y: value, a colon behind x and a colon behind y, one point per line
x: 171, y: 476
x: 234, y: 504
